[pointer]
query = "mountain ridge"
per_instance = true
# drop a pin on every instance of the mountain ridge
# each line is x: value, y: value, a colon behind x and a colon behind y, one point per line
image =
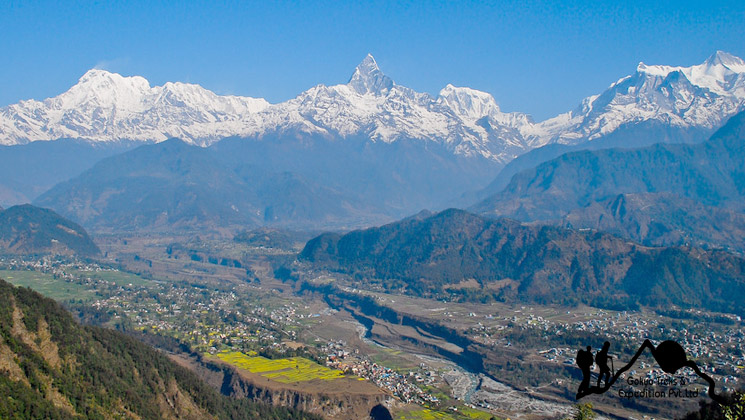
x: 459, y: 255
x: 174, y: 185
x: 670, y: 194
x: 106, y: 106
x: 663, y: 219
x: 709, y: 172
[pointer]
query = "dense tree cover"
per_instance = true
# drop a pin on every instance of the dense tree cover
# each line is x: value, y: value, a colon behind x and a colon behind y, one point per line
x: 272, y: 238
x: 102, y: 373
x: 458, y: 255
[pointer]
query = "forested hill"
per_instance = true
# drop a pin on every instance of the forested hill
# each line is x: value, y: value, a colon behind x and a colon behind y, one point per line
x: 460, y: 255
x: 28, y: 229
x: 53, y: 368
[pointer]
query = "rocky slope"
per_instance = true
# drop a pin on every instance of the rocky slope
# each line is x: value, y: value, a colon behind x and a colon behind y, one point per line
x: 333, y: 402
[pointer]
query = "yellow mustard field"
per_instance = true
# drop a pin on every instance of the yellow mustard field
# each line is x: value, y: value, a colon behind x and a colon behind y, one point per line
x: 427, y: 414
x: 293, y: 369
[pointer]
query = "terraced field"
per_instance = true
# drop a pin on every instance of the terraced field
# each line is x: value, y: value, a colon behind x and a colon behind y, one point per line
x: 290, y: 370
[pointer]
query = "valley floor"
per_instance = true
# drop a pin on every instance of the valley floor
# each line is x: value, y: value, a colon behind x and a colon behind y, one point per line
x: 226, y: 304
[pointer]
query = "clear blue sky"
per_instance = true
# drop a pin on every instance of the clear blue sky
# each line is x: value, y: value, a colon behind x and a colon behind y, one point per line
x: 536, y: 57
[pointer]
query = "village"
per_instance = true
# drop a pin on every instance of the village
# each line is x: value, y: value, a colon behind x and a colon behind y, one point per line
x: 246, y: 318
x: 716, y: 350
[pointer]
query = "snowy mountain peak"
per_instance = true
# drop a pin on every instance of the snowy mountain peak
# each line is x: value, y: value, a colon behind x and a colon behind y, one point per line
x: 101, y: 79
x: 467, y: 102
x: 105, y: 106
x: 100, y: 88
x: 695, y: 97
x: 717, y: 64
x: 714, y: 74
x: 367, y: 78
x: 721, y: 58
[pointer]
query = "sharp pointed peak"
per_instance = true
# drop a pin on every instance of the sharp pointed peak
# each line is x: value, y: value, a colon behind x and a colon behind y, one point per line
x: 369, y: 60
x: 367, y: 78
x: 367, y: 66
x: 725, y: 59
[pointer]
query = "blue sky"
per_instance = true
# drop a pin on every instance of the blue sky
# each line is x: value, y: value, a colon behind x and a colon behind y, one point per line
x: 536, y: 57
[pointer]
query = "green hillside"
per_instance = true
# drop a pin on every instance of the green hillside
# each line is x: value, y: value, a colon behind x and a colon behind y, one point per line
x: 663, y: 219
x: 464, y: 256
x: 53, y: 368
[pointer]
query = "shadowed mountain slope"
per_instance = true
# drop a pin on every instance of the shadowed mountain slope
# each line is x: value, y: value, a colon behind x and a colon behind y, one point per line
x: 462, y: 255
x: 663, y: 219
x: 172, y: 185
x: 711, y: 173
x: 28, y: 170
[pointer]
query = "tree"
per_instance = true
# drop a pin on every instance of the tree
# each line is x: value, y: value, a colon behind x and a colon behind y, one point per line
x: 583, y: 412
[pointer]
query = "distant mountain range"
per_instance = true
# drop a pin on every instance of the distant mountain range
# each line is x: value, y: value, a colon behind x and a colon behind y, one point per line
x: 472, y: 258
x: 105, y: 106
x: 661, y: 194
x: 27, y: 229
x: 343, y: 156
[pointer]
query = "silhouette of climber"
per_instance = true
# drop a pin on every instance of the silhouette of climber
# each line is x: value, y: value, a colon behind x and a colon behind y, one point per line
x: 670, y: 355
x: 601, y: 359
x: 584, y: 361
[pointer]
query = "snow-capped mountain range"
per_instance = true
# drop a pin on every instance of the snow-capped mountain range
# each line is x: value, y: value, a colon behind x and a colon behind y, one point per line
x: 106, y: 106
x: 701, y: 96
